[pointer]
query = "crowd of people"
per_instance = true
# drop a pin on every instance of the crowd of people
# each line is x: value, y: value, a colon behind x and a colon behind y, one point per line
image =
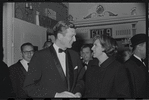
x: 57, y: 71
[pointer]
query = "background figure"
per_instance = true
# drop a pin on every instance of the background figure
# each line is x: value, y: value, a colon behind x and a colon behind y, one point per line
x: 136, y: 68
x: 50, y: 35
x: 127, y: 53
x: 124, y: 55
x: 108, y: 78
x: 47, y: 44
x: 147, y: 63
x: 19, y: 70
x: 86, y: 54
x: 56, y: 71
x: 5, y: 82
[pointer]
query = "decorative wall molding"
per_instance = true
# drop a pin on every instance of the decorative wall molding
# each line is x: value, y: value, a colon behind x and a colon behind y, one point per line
x: 109, y: 21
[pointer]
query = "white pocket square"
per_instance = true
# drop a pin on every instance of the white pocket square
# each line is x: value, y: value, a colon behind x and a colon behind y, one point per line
x: 76, y: 67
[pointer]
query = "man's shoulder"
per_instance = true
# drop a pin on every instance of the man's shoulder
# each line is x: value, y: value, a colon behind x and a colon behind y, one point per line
x: 42, y: 51
x: 132, y: 59
x: 15, y: 65
x: 130, y: 63
x: 73, y: 52
x: 94, y: 61
x: 3, y: 66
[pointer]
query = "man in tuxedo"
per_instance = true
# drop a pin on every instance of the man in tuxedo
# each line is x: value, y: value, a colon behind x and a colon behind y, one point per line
x: 136, y: 68
x: 19, y: 70
x: 57, y: 70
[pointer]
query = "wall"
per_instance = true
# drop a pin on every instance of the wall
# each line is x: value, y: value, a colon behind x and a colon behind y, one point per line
x: 141, y: 27
x: 19, y: 27
x: 120, y: 19
x: 27, y: 32
x: 80, y: 10
x: 122, y: 28
x: 8, y: 14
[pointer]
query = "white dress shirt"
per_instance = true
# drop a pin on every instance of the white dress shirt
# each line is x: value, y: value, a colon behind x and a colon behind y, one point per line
x: 25, y: 64
x: 61, y: 57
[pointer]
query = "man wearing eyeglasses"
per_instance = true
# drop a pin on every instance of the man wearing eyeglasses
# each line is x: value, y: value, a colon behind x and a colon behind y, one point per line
x: 19, y: 70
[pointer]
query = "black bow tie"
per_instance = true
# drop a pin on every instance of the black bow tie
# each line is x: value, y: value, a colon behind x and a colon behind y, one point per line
x: 61, y: 50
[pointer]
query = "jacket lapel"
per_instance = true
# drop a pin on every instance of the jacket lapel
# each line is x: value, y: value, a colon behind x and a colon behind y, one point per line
x: 22, y: 68
x: 57, y: 63
x: 69, y: 71
x: 138, y: 62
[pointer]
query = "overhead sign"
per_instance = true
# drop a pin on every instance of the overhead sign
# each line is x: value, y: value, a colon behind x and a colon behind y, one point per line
x: 94, y: 32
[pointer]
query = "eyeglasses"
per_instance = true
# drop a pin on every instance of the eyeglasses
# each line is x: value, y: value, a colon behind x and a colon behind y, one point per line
x: 28, y: 52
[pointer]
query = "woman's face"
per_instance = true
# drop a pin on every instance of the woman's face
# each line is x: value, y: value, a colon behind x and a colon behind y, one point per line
x: 97, y: 49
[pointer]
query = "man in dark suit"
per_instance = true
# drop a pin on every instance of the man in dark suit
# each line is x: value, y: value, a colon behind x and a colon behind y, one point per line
x: 47, y: 44
x: 137, y: 70
x: 19, y: 70
x: 56, y: 71
x: 86, y: 54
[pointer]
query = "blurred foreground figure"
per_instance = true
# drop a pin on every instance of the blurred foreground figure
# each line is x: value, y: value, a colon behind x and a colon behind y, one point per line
x: 5, y: 82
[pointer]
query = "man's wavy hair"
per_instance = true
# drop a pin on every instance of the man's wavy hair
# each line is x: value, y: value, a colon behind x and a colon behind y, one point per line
x: 108, y: 43
x: 61, y: 26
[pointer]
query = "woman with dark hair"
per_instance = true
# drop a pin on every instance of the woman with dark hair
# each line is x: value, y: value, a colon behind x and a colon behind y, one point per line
x: 108, y: 78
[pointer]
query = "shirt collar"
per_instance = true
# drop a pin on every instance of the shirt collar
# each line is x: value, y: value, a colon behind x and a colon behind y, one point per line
x: 137, y: 57
x: 24, y: 61
x: 55, y: 47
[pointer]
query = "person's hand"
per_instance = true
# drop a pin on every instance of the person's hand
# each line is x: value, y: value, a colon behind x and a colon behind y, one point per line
x: 78, y: 95
x: 65, y: 94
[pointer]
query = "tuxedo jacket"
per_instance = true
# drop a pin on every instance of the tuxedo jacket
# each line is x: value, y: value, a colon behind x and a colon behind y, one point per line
x: 109, y: 80
x: 17, y: 75
x: 45, y: 76
x: 137, y: 74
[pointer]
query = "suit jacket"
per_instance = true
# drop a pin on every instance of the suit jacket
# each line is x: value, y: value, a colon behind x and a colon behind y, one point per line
x: 137, y: 74
x: 17, y: 75
x: 107, y: 81
x: 46, y: 77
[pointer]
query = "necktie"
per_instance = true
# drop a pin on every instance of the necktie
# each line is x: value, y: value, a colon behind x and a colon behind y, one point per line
x: 61, y: 50
x: 143, y: 61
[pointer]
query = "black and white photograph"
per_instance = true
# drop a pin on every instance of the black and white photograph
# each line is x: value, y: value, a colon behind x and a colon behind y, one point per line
x: 74, y: 50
